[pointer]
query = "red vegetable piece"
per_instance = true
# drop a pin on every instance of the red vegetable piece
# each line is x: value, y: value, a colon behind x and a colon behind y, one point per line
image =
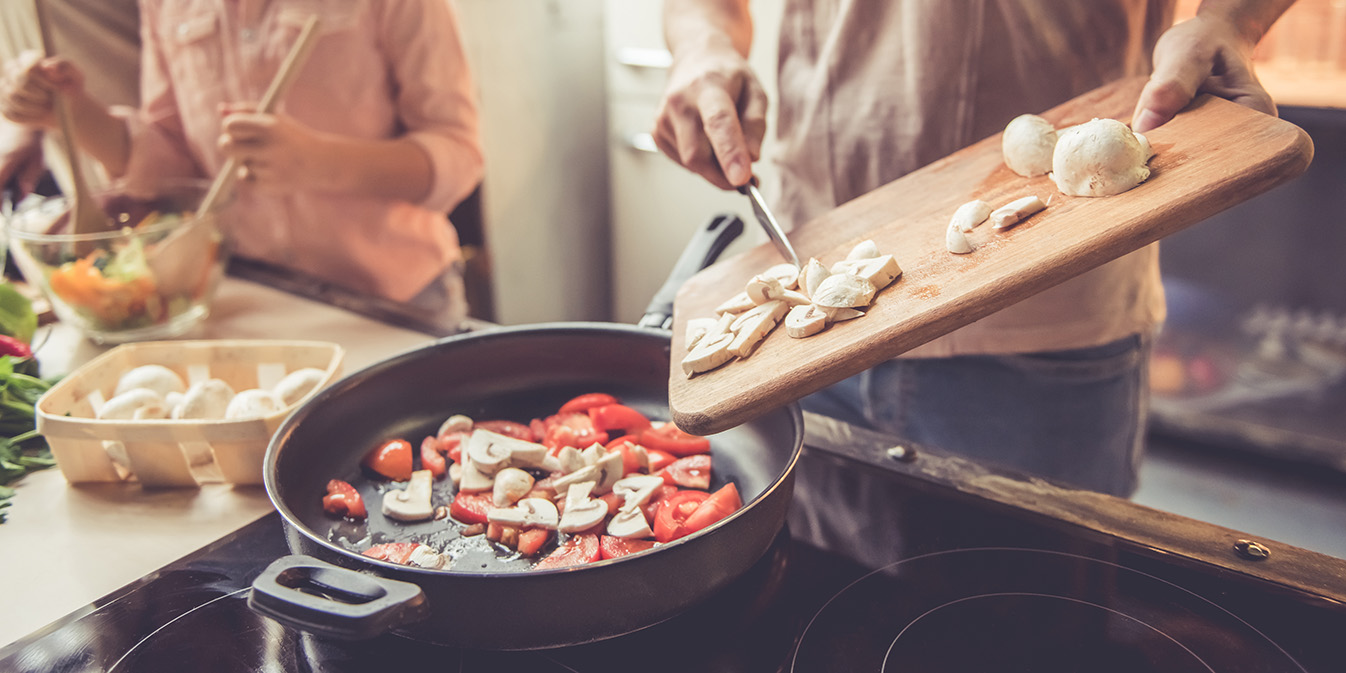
x: 578, y: 550
x: 343, y: 500
x: 616, y: 547
x: 670, y: 438
x: 471, y: 508
x: 689, y: 472
x: 659, y: 459
x: 391, y: 459
x: 618, y: 417
x: 508, y: 429
x: 719, y: 505
x: 451, y: 444
x: 15, y: 347
x: 532, y: 539
x: 574, y: 429
x: 587, y: 401
x: 673, y: 511
x: 392, y: 552
x: 431, y: 458
x: 652, y: 507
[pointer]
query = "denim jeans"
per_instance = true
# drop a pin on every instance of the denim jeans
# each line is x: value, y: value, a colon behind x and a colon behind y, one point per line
x: 1076, y: 417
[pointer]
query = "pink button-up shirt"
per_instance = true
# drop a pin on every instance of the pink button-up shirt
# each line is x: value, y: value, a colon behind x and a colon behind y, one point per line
x: 379, y: 69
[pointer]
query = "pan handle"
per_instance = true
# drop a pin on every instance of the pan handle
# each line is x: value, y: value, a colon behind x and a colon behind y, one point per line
x: 315, y: 596
x: 702, y: 250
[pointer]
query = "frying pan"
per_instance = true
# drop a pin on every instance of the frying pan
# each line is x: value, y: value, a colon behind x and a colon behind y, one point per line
x: 484, y: 601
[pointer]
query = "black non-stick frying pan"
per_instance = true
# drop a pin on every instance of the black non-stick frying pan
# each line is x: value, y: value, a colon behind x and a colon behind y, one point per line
x: 484, y: 601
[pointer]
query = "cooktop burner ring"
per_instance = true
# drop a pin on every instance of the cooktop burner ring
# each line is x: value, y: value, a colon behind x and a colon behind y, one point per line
x: 1009, y: 609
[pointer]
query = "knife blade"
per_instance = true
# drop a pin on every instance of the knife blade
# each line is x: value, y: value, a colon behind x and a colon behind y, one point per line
x: 768, y: 222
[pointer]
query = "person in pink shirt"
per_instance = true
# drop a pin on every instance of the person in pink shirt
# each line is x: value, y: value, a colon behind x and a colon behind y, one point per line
x: 349, y: 181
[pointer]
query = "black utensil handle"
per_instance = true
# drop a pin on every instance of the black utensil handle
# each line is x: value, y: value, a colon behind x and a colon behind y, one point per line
x: 702, y: 250
x: 315, y: 596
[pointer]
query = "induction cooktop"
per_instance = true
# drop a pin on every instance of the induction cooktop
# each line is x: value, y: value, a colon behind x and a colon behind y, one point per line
x: 977, y: 572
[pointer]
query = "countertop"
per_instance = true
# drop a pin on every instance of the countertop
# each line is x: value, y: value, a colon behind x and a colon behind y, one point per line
x: 65, y: 546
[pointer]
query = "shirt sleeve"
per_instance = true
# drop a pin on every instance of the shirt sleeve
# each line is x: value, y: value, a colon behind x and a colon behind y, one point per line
x: 436, y: 99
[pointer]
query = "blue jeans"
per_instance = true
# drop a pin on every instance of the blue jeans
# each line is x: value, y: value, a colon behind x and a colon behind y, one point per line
x: 1075, y: 417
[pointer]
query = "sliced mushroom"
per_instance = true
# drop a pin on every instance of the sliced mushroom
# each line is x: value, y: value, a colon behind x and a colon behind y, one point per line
x: 840, y: 314
x: 1015, y: 212
x: 569, y: 459
x: 425, y: 556
x: 610, y: 469
x: 708, y: 355
x: 492, y: 451
x: 413, y: 502
x: 880, y: 270
x: 787, y: 274
x: 736, y: 304
x: 969, y: 215
x: 755, y: 326
x: 955, y: 241
x: 844, y: 289
x: 473, y: 480
x: 637, y: 489
x: 812, y: 275
x: 762, y: 289
x: 586, y: 473
x: 629, y: 523
x: 510, y: 485
x: 581, y: 511
x: 805, y: 321
x: 697, y: 328
x: 863, y: 250
x: 455, y: 423
x: 539, y: 512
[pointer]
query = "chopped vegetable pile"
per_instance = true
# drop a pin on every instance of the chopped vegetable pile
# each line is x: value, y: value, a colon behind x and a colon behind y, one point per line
x: 596, y: 480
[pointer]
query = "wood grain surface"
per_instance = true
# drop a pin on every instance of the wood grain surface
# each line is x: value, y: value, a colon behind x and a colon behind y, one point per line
x: 1213, y: 155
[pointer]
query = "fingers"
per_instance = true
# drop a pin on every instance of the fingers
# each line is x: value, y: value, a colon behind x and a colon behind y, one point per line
x: 714, y: 126
x: 720, y: 122
x: 1159, y: 101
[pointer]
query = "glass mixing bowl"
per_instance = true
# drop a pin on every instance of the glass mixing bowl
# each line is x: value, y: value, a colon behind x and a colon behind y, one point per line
x: 151, y: 275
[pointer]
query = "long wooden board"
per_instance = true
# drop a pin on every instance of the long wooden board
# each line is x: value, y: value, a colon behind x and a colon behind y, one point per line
x: 1213, y: 155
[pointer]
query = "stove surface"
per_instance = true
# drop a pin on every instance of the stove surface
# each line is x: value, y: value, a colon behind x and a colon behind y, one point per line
x: 975, y: 587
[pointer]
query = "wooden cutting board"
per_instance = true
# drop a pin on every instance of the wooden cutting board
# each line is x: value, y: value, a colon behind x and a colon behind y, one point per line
x: 1213, y: 155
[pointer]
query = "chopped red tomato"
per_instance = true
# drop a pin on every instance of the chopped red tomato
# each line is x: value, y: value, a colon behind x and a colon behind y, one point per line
x: 673, y: 511
x: 689, y: 472
x: 343, y: 500
x: 719, y: 505
x: 587, y: 401
x: 668, y: 437
x: 392, y: 552
x: 578, y: 550
x: 618, y: 417
x: 652, y: 507
x: 573, y: 429
x: 614, y: 547
x: 532, y: 539
x: 451, y: 444
x: 391, y: 459
x: 431, y: 458
x: 508, y: 429
x: 471, y: 507
x: 659, y: 459
x: 614, y: 502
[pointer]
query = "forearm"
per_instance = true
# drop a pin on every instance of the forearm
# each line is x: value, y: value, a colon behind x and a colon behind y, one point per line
x: 694, y: 24
x: 1252, y: 18
x: 100, y: 134
x: 390, y: 169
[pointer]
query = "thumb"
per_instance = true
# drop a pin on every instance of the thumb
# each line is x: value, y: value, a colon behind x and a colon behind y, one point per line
x: 1169, y: 90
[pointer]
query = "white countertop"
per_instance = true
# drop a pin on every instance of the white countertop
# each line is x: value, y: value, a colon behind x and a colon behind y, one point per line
x: 65, y: 546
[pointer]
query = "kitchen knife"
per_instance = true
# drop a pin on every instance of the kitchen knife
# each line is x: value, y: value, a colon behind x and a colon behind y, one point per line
x: 768, y: 221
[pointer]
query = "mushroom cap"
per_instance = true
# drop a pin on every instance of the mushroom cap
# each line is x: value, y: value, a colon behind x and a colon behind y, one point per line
x: 1027, y: 144
x: 158, y: 378
x: 207, y: 400
x: 1098, y: 158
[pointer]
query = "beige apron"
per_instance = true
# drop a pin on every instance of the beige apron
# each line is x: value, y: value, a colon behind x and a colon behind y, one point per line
x: 874, y: 89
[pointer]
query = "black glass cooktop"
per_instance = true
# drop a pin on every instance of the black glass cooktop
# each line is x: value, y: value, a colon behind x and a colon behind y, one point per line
x: 974, y: 587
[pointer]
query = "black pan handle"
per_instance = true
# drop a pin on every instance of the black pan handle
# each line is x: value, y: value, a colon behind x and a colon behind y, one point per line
x: 315, y: 596
x: 702, y: 250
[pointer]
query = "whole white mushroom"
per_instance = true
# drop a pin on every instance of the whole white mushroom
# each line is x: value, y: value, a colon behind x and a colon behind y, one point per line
x: 1027, y: 144
x: 158, y: 378
x: 252, y: 403
x: 1101, y: 157
x: 205, y: 400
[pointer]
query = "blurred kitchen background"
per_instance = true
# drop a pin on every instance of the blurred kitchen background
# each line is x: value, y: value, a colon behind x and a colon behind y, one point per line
x: 1249, y: 403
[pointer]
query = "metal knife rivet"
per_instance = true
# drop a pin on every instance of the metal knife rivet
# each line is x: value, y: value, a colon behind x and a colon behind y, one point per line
x: 902, y: 454
x: 1251, y: 550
